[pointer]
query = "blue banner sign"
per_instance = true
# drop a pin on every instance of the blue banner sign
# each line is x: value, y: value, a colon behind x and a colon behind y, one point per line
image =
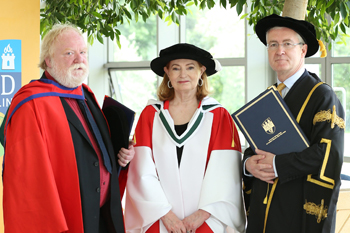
x: 10, y: 72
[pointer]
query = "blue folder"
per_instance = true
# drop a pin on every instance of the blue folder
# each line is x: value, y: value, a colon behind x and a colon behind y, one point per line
x: 267, y: 124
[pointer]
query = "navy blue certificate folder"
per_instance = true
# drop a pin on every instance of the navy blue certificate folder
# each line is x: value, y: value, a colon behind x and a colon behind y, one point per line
x: 267, y: 124
x: 120, y: 120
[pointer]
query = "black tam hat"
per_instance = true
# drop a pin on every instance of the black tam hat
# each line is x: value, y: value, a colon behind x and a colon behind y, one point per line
x: 185, y: 51
x: 305, y: 29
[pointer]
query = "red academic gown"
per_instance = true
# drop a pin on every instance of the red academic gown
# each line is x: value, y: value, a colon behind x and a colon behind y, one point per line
x: 42, y: 179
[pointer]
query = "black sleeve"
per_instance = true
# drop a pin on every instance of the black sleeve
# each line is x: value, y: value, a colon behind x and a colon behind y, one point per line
x: 324, y: 157
x: 247, y: 180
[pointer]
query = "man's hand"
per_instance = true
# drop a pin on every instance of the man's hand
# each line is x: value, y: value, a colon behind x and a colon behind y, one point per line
x: 172, y: 223
x: 195, y: 220
x: 267, y: 160
x: 126, y: 155
x: 259, y: 166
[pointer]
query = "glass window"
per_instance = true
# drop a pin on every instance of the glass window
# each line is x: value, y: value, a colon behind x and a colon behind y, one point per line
x: 134, y: 88
x: 341, y: 49
x: 228, y: 87
x: 341, y: 86
x: 206, y: 29
x: 138, y: 41
x: 314, y: 68
x: 218, y: 30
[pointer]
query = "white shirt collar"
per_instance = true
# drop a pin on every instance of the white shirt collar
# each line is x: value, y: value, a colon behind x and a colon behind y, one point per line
x: 289, y: 82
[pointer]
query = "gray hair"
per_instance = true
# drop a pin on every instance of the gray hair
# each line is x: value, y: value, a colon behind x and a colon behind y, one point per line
x: 301, y: 40
x: 50, y: 38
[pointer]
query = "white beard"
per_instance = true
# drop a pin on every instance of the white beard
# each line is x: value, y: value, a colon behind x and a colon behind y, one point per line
x: 72, y: 77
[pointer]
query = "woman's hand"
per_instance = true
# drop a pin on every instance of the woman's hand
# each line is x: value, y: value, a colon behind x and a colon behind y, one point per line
x: 126, y: 155
x: 172, y: 223
x: 195, y: 220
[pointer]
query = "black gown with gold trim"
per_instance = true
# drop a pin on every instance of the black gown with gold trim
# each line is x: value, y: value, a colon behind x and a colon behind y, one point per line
x: 304, y: 196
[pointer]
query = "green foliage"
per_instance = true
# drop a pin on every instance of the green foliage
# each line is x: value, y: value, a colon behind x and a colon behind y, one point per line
x: 330, y: 17
x: 103, y: 17
x: 140, y: 37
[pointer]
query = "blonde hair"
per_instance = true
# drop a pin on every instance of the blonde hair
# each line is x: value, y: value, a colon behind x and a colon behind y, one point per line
x: 165, y: 93
x: 49, y: 40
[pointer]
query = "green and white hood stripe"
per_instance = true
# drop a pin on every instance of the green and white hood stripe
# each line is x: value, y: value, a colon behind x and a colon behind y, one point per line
x: 207, y: 104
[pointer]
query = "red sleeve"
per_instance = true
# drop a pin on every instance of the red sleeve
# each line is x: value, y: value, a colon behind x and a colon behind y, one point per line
x: 143, y: 131
x: 224, y: 135
x: 31, y: 200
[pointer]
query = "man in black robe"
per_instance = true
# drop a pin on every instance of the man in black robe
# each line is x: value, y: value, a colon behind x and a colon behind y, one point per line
x: 296, y: 192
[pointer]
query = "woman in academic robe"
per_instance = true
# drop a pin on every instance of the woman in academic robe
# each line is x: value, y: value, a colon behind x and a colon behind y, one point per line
x: 185, y: 176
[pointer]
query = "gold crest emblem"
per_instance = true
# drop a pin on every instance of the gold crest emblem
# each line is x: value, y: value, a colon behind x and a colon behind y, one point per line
x: 268, y: 126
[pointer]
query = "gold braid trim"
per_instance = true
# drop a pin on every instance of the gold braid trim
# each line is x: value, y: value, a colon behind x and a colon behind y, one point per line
x: 320, y: 211
x: 233, y: 134
x: 333, y: 118
x: 269, y: 202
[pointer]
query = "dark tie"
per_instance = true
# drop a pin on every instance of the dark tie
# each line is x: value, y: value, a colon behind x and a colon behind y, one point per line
x: 97, y: 134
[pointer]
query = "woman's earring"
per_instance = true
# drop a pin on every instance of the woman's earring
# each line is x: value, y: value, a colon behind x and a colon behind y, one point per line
x: 169, y: 85
x: 200, y: 82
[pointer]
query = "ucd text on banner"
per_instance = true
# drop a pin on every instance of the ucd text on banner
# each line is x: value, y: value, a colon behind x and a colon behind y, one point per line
x: 10, y: 72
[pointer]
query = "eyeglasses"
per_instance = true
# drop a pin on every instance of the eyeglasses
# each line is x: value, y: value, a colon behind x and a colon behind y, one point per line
x: 286, y: 45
